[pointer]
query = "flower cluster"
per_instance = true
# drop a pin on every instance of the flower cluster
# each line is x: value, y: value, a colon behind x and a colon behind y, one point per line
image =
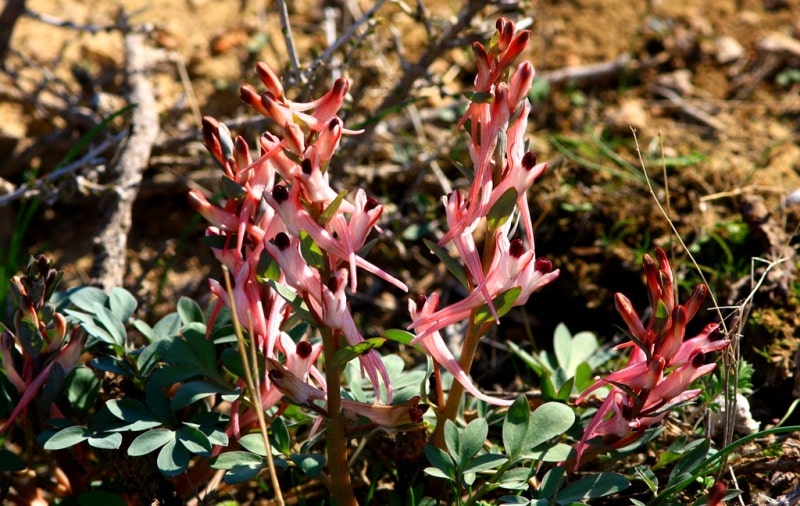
x: 662, y: 364
x: 504, y: 170
x: 38, y: 354
x: 281, y: 207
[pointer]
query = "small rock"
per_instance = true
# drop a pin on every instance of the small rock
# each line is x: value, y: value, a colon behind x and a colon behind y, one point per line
x: 743, y: 422
x: 631, y: 113
x: 793, y: 199
x: 727, y: 49
x: 679, y: 81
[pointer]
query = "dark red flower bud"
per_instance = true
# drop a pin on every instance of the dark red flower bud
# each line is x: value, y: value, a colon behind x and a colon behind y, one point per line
x: 306, y: 167
x: 516, y: 248
x: 304, y: 349
x: 280, y: 193
x: 281, y: 241
x: 543, y: 265
x: 371, y: 204
x: 529, y: 160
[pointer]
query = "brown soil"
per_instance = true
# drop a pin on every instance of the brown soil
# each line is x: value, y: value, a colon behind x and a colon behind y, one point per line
x: 730, y: 124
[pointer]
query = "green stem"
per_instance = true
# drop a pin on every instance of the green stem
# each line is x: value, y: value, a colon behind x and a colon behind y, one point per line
x: 341, y: 487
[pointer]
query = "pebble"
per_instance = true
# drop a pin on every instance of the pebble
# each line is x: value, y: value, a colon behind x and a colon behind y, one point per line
x: 728, y: 50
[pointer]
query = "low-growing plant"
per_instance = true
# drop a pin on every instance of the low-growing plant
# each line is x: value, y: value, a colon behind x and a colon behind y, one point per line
x: 277, y: 378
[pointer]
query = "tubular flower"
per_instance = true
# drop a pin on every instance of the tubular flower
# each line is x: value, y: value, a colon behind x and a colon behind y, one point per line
x: 661, y: 367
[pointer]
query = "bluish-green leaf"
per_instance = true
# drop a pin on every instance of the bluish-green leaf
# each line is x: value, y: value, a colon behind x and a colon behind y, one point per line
x: 551, y: 482
x: 280, y: 436
x: 571, y: 350
x: 150, y: 441
x: 515, y: 479
x: 452, y: 439
x: 254, y: 443
x: 241, y: 474
x: 551, y: 419
x: 85, y: 297
x: 193, y: 391
x: 194, y: 440
x: 105, y: 441
x: 441, y: 461
x: 111, y: 323
x: 166, y: 327
x: 122, y: 303
x: 67, y: 437
x: 229, y: 460
x: 189, y: 311
x: 311, y: 464
x: 472, y: 438
x: 515, y: 427
x: 485, y: 462
x: 137, y: 416
x: 173, y: 458
x: 82, y: 387
x: 591, y: 487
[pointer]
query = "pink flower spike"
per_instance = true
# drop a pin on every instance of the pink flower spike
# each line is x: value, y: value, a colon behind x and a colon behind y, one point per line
x: 707, y: 341
x: 434, y: 345
x: 637, y: 376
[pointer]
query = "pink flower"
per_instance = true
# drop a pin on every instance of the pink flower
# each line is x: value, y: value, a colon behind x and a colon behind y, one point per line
x: 662, y: 364
x: 431, y: 341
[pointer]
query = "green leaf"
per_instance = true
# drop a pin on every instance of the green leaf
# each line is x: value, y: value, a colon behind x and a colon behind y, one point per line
x: 110, y: 441
x: 189, y: 311
x: 515, y: 427
x: 647, y: 476
x: 348, y: 353
x: 454, y: 266
x: 438, y: 473
x: 311, y: 464
x: 293, y: 299
x: 122, y: 303
x: 311, y: 252
x: 67, y: 437
x: 150, y: 441
x: 551, y: 419
x: 501, y: 210
x: 254, y: 443
x: 502, y: 304
x: 193, y: 391
x: 479, y: 97
x: 330, y: 211
x: 591, y: 487
x: 399, y: 336
x: 558, y: 452
x: 173, y: 458
x: 529, y: 360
